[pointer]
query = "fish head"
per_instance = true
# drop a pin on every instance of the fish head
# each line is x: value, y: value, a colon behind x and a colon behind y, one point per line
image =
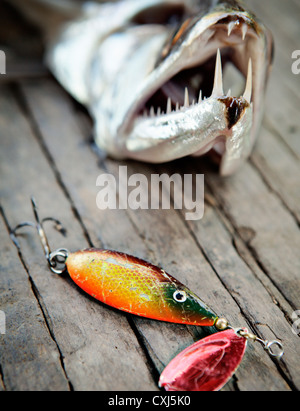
x: 171, y: 98
x: 185, y: 307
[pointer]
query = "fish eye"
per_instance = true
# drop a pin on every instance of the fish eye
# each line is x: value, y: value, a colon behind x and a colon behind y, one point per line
x: 180, y: 296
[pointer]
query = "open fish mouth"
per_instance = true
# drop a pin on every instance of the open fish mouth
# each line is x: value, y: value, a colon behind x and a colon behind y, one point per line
x: 205, y: 94
x: 192, y: 84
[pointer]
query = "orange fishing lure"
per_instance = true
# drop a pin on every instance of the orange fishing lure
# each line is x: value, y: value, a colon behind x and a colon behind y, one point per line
x: 137, y: 287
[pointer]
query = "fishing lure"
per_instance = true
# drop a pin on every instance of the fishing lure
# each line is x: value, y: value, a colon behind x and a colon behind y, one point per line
x: 140, y: 288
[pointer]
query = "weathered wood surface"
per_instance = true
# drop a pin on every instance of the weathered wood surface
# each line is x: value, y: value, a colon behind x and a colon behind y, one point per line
x: 242, y: 258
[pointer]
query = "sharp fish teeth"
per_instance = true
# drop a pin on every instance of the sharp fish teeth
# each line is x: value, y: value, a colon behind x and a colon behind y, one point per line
x: 186, y: 98
x: 200, y: 97
x: 248, y: 91
x: 218, y: 82
x: 218, y: 89
x: 244, y: 30
x: 169, y: 106
x: 230, y: 27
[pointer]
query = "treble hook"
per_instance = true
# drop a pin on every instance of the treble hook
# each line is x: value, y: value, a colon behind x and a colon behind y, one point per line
x: 53, y: 258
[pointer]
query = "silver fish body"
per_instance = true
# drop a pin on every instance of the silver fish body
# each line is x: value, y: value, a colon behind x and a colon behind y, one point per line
x: 150, y: 72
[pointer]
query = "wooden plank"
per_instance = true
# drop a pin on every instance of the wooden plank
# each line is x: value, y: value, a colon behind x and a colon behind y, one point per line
x: 252, y: 208
x: 29, y: 358
x: 46, y: 102
x: 280, y: 168
x: 92, y: 340
x: 20, y: 69
x: 22, y: 44
x: 282, y: 118
x: 283, y: 97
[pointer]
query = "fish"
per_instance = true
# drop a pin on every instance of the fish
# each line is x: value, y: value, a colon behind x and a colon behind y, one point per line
x: 137, y: 287
x: 162, y: 79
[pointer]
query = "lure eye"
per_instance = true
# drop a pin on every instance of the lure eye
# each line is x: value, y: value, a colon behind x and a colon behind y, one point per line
x: 180, y: 296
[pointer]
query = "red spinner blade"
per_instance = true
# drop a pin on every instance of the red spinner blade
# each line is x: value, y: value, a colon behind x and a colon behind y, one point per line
x: 206, y: 365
